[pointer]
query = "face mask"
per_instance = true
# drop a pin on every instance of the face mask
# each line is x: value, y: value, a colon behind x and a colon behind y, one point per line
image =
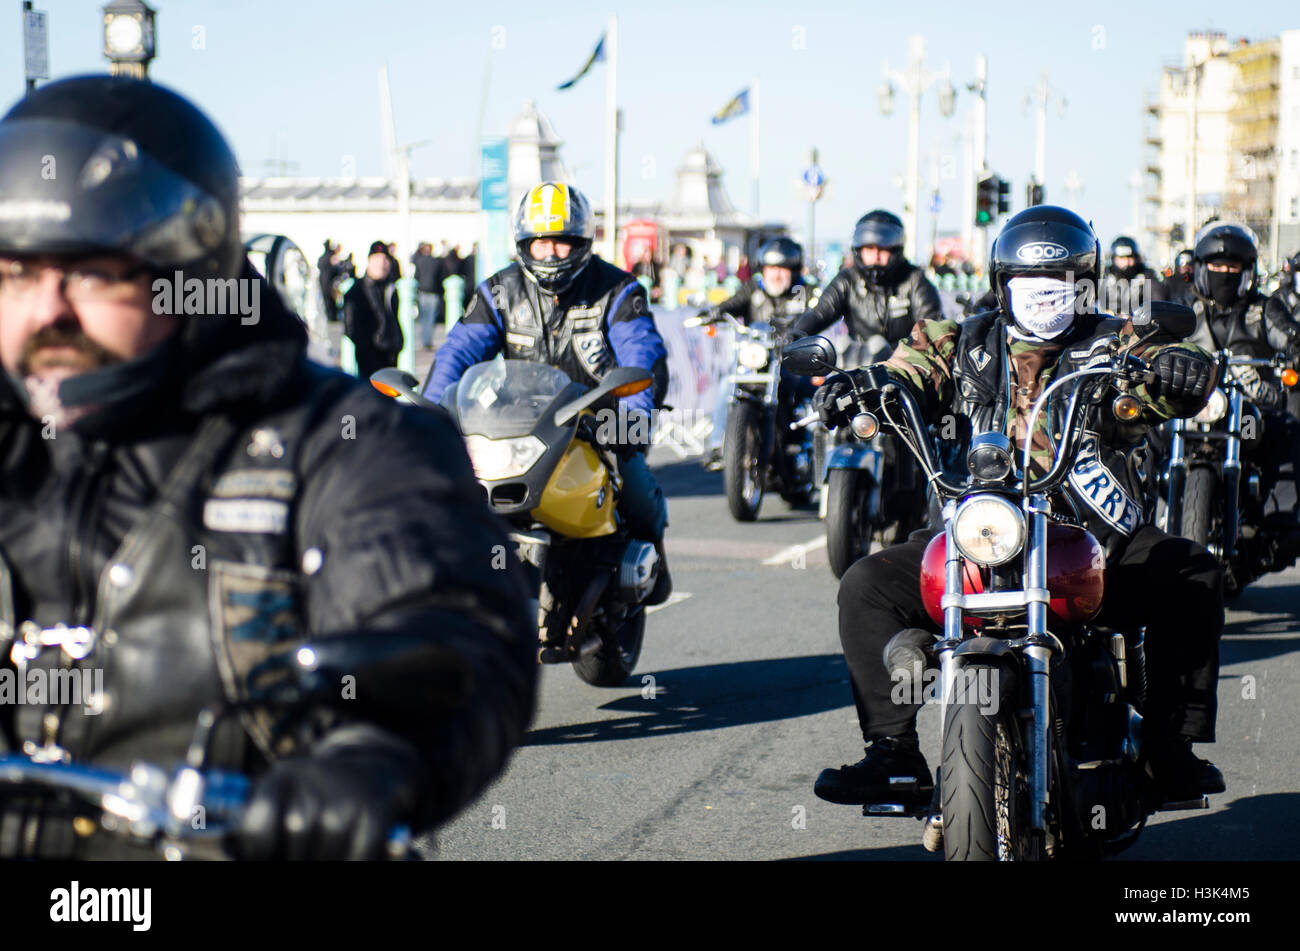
x: 1224, y: 286
x: 1044, y: 306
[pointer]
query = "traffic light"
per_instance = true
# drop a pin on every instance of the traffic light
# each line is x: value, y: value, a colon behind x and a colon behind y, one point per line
x: 1004, y: 196
x: 986, y: 199
x: 1176, y: 235
x: 1034, y: 193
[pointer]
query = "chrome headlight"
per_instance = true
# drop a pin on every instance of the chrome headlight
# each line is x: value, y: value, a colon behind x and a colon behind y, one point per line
x: 988, y: 530
x: 1214, y: 409
x: 503, y: 458
x: 752, y: 355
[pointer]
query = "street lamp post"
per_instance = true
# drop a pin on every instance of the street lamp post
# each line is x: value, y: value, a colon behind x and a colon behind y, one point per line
x: 129, y: 38
x: 1045, y: 94
x: 915, y: 81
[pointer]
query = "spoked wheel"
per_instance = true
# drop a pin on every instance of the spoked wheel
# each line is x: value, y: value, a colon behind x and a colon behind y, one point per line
x: 742, y: 469
x: 620, y: 648
x: 986, y: 807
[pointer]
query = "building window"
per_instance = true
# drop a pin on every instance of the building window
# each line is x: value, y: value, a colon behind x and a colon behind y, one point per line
x: 1295, y: 208
x: 1295, y: 157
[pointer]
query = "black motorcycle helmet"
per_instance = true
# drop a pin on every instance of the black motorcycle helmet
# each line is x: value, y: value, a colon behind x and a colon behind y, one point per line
x: 1047, y: 241
x: 782, y: 252
x: 1224, y: 242
x: 881, y: 229
x: 99, y: 164
x: 1184, y: 259
x: 1125, y: 247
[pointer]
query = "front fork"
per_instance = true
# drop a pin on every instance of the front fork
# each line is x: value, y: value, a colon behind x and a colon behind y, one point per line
x: 1177, y: 481
x: 1231, y: 475
x: 1039, y: 645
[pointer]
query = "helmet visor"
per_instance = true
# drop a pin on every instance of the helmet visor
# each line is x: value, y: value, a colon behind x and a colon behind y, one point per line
x: 66, y: 189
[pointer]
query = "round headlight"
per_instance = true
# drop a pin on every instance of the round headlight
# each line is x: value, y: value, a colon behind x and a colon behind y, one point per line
x: 752, y: 355
x: 988, y: 530
x: 989, y: 458
x: 1214, y: 409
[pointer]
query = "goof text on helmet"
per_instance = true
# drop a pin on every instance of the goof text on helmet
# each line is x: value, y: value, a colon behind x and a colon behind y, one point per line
x: 1044, y: 267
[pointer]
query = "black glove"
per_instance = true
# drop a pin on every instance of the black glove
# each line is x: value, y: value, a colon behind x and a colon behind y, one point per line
x: 834, y: 403
x: 1181, y: 375
x: 339, y: 804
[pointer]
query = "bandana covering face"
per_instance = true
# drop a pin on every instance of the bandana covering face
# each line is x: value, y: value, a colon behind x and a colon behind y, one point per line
x: 1044, y: 306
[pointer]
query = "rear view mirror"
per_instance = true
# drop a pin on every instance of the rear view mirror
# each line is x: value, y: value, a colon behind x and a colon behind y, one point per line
x: 1175, y: 320
x: 809, y: 356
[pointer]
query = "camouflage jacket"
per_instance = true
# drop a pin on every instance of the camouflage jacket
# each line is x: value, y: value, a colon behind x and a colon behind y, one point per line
x: 985, y: 379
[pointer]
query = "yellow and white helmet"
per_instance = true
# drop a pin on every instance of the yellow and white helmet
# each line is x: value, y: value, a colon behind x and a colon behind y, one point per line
x: 554, y: 210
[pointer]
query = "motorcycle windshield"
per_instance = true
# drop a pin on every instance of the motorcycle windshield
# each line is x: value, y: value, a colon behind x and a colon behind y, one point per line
x: 503, y: 398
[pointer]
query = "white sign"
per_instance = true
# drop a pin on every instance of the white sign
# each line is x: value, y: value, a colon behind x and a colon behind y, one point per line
x: 36, y: 44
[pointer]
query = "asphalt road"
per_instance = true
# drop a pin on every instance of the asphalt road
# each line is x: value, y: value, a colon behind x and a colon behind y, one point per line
x: 741, y: 697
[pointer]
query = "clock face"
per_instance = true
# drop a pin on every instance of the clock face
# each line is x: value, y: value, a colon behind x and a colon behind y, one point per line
x: 124, y: 34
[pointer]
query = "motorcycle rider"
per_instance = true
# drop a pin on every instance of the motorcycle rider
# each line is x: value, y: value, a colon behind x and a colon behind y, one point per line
x: 174, y: 492
x: 776, y: 295
x: 562, y: 305
x: 1128, y: 282
x: 1178, y: 285
x: 1045, y: 324
x: 1232, y: 314
x: 881, y: 293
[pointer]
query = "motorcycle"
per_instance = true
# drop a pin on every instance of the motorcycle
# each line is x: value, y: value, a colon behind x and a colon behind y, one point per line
x: 1041, y: 709
x: 757, y: 455
x: 871, y: 490
x: 543, y: 449
x: 1214, y: 491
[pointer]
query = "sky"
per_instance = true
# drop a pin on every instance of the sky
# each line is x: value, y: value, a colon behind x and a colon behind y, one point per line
x: 298, y: 82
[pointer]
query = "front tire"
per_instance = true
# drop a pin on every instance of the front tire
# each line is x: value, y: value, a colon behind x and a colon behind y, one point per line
x: 742, y: 469
x: 848, y: 531
x: 1199, y: 495
x: 986, y: 815
x: 615, y: 659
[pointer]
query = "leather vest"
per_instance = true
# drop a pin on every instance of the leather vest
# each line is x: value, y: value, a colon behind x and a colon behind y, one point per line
x: 195, y: 609
x: 1105, y: 484
x: 566, y: 332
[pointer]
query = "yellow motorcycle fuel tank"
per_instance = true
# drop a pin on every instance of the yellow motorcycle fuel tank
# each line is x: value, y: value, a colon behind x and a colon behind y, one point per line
x: 578, y: 500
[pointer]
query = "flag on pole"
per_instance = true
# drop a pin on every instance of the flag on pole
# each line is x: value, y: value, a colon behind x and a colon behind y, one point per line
x: 738, y: 106
x: 597, y: 56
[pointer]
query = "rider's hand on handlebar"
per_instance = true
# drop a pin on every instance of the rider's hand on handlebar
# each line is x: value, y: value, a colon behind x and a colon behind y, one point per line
x: 1180, y: 375
x: 327, y: 808
x: 836, y: 403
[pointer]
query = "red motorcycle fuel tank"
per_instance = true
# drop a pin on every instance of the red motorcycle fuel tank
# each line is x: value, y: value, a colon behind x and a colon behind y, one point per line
x: 1076, y: 569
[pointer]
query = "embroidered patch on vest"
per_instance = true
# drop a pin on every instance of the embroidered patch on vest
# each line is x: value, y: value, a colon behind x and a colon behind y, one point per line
x: 270, y: 483
x: 259, y: 516
x: 519, y: 340
x: 589, y: 347
x: 581, y: 313
x: 979, y: 358
x: 584, y: 323
x: 1100, y: 491
x: 256, y: 629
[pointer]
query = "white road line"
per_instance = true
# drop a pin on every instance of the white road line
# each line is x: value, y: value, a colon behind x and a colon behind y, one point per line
x: 794, y: 551
x: 677, y: 597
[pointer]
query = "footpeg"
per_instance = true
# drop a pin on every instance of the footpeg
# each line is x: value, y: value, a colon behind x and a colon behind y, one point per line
x: 552, y: 655
x: 909, y: 797
x: 1179, y: 804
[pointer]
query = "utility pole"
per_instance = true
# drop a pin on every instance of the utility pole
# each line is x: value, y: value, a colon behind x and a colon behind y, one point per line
x: 1193, y: 84
x: 915, y: 81
x: 977, y: 238
x: 1043, y: 95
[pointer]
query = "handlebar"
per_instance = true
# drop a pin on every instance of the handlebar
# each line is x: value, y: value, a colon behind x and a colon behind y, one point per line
x: 806, y: 421
x: 150, y: 808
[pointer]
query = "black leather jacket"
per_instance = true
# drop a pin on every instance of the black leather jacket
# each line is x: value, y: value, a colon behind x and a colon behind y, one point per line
x: 1121, y: 295
x: 1251, y: 328
x: 889, y: 310
x: 752, y: 303
x: 266, y: 502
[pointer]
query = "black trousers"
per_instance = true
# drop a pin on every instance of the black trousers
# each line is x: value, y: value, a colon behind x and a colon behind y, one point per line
x: 1170, y: 584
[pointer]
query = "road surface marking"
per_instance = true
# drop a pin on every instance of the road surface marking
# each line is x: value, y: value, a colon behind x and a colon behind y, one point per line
x: 677, y: 597
x: 794, y: 551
